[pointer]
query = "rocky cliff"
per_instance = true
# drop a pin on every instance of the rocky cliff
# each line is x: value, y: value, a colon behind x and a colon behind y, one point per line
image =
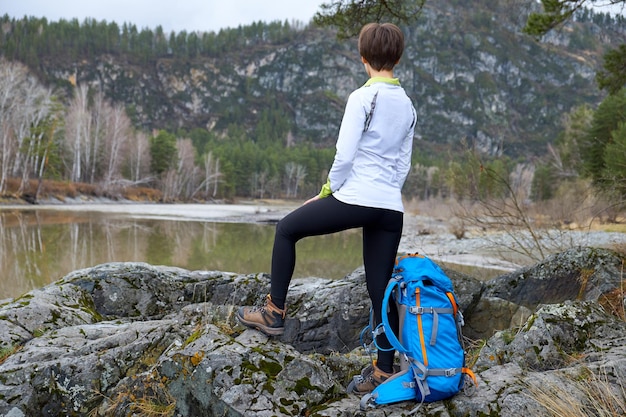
x: 134, y: 339
x: 470, y: 70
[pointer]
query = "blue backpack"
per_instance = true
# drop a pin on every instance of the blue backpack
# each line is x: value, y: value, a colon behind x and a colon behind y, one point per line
x: 430, y: 343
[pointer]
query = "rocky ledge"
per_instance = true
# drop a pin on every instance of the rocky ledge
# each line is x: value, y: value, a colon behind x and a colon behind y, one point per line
x: 126, y: 339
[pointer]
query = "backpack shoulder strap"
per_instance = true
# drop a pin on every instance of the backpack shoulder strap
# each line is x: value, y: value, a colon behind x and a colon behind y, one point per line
x: 453, y: 302
x: 391, y: 337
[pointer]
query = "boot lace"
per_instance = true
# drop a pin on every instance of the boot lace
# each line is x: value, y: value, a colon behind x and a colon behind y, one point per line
x: 259, y: 309
x: 366, y: 375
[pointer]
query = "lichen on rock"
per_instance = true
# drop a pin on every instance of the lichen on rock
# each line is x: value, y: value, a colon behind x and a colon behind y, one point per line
x: 125, y: 337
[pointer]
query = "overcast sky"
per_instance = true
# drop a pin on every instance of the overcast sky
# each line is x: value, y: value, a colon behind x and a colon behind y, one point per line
x: 176, y: 15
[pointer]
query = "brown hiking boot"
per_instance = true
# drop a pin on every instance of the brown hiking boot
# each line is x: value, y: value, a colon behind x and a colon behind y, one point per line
x: 370, y: 378
x: 267, y: 318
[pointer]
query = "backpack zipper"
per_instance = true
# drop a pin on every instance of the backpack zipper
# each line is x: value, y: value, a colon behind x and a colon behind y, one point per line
x: 420, y: 328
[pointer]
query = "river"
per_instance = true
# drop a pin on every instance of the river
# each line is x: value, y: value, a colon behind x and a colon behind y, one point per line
x: 41, y: 244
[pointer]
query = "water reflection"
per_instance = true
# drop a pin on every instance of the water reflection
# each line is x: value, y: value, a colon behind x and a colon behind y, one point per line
x: 38, y: 247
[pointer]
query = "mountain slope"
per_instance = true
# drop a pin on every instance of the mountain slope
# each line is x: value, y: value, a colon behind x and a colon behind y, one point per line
x: 471, y: 72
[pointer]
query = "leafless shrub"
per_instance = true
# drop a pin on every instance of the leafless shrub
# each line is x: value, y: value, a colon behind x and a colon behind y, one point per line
x: 457, y: 228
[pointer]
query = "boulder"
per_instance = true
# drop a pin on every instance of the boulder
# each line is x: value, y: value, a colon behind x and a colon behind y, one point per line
x: 133, y: 339
x: 576, y: 274
x: 569, y: 358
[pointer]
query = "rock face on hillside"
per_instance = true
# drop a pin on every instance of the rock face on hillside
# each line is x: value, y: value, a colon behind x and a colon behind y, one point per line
x: 124, y: 338
x: 470, y: 69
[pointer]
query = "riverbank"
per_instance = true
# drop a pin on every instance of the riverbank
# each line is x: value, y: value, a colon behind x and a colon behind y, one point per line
x: 422, y: 233
x: 244, y: 212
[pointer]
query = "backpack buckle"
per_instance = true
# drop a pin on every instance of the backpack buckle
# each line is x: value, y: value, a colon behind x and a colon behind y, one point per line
x: 461, y: 319
x: 380, y: 329
x: 421, y: 310
x: 450, y: 372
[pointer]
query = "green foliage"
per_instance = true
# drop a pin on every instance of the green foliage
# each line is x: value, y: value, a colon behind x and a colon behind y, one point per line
x: 256, y: 168
x: 615, y: 161
x: 556, y: 12
x: 563, y: 161
x: 613, y: 77
x: 200, y: 138
x: 163, y: 152
x: 473, y: 178
x: 33, y: 40
x: 46, y: 139
x: 592, y: 145
x: 606, y: 119
x: 349, y: 16
x: 576, y: 125
x: 272, y: 126
x: 544, y: 183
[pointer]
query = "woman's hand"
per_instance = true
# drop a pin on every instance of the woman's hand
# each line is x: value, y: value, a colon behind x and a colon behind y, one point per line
x: 317, y: 197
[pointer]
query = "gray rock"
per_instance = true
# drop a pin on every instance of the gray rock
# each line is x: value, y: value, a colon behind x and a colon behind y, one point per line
x: 554, y: 336
x: 493, y: 313
x: 576, y: 274
x: 120, y: 339
x: 582, y: 273
x: 43, y: 310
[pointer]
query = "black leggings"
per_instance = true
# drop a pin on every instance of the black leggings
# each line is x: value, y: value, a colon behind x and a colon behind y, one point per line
x: 382, y: 230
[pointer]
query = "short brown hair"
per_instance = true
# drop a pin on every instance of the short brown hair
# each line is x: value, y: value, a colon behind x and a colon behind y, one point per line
x: 381, y: 44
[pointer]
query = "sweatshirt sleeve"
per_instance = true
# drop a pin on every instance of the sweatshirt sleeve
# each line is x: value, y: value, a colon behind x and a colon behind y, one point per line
x: 347, y: 142
x: 404, y: 163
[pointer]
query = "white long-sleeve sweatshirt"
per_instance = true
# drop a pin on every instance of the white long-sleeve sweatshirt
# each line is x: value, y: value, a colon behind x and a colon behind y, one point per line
x: 373, y: 155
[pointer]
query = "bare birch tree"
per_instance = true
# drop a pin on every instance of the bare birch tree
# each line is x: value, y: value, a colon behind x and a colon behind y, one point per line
x: 139, y: 158
x: 290, y: 172
x: 216, y: 177
x: 37, y: 141
x: 295, y: 174
x: 10, y: 75
x: 99, y: 112
x: 179, y: 182
x: 117, y: 131
x: 211, y: 176
x: 299, y: 178
x: 25, y: 106
x: 78, y: 131
x: 98, y: 138
x: 261, y: 180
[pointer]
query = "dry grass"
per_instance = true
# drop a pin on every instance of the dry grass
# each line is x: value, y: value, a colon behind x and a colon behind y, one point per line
x: 5, y: 352
x: 615, y: 301
x: 574, y: 208
x: 592, y: 394
x: 619, y: 248
x: 436, y: 208
x: 583, y: 280
x: 62, y: 190
x: 142, y: 194
x: 473, y: 349
x: 521, y: 231
x: 145, y: 396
